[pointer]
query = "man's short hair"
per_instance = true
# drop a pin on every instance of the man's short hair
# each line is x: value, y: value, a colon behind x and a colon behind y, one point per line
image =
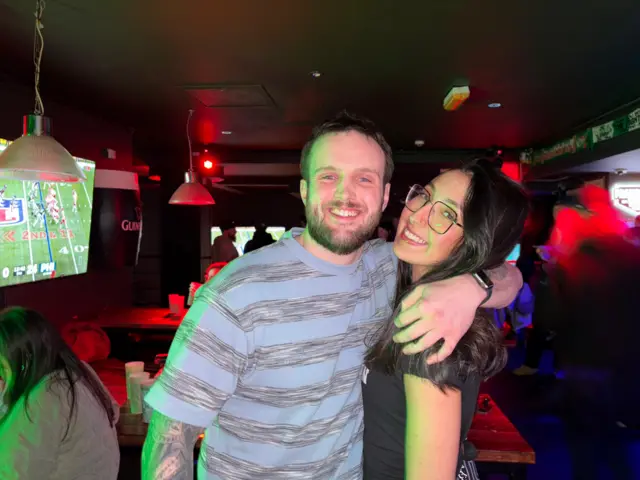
x: 214, y: 266
x: 227, y: 225
x: 342, y: 123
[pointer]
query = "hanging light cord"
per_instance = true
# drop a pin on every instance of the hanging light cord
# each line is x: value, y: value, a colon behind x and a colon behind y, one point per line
x: 189, y: 140
x: 38, y: 49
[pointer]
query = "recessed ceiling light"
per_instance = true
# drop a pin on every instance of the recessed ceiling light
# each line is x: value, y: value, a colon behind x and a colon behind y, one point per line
x: 315, y: 74
x: 494, y: 105
x: 226, y: 132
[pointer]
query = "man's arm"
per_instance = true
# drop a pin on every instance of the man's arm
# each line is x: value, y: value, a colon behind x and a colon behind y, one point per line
x: 207, y: 356
x: 507, y: 282
x: 446, y: 309
x: 168, y: 449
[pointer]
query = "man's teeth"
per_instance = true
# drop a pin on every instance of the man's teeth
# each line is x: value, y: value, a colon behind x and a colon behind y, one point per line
x: 413, y: 237
x: 343, y: 213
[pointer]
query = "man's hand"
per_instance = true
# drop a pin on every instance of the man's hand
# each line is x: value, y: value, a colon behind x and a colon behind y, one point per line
x: 439, y: 310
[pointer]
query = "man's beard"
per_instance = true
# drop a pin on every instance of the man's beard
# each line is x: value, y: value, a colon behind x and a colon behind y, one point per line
x: 330, y: 239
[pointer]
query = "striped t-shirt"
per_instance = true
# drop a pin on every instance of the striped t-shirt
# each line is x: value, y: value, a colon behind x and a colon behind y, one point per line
x: 269, y: 360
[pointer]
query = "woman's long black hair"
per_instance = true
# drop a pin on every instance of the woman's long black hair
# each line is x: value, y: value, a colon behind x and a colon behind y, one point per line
x: 34, y: 349
x: 494, y: 212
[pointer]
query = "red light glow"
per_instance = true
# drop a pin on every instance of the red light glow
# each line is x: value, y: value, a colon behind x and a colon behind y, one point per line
x: 154, y: 178
x: 208, y: 164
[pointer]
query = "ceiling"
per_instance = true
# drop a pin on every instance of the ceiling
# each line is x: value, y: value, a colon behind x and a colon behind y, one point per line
x: 627, y: 162
x: 552, y: 65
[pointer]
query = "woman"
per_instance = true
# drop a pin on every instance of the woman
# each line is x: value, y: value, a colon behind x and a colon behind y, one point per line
x: 466, y: 220
x: 60, y: 420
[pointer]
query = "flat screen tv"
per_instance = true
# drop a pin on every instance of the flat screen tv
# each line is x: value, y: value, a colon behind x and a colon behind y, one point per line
x: 44, y: 227
x: 244, y: 234
x: 514, y: 255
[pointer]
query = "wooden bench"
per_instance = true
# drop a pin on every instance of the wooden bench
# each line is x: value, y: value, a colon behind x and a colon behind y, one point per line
x: 501, y: 448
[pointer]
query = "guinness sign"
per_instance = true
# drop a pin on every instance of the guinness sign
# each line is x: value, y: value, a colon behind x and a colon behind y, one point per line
x: 116, y: 228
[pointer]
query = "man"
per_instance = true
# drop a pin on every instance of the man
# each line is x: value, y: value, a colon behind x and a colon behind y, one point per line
x: 223, y: 249
x: 74, y: 195
x: 269, y: 358
x: 261, y: 238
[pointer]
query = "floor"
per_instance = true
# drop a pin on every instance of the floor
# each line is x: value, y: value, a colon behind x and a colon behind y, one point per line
x: 533, y: 405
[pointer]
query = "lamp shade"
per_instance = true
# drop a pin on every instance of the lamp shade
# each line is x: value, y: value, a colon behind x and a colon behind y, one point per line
x: 38, y: 157
x: 191, y: 192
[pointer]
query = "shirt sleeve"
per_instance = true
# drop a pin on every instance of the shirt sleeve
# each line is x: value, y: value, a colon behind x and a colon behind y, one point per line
x: 30, y: 443
x: 444, y: 374
x: 207, y: 356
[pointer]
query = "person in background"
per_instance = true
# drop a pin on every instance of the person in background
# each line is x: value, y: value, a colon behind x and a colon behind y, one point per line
x: 60, y: 421
x: 417, y: 416
x: 539, y: 339
x: 211, y: 271
x: 385, y: 231
x: 633, y: 234
x: 597, y: 295
x: 261, y: 238
x: 223, y: 249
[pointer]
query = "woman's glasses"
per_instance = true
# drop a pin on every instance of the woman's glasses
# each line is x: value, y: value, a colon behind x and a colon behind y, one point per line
x: 441, y: 217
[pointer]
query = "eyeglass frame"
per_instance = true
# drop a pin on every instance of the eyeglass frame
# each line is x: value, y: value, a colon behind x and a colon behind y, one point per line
x: 426, y: 194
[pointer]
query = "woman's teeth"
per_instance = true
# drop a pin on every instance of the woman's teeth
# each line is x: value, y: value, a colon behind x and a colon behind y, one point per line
x: 413, y: 237
x: 343, y: 213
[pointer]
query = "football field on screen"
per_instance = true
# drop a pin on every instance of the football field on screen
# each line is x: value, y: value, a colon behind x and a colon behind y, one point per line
x: 27, y: 242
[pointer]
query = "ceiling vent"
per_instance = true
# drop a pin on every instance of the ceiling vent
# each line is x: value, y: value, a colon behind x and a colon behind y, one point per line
x: 230, y: 96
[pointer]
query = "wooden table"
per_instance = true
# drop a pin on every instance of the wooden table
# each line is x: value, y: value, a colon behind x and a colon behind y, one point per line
x: 499, y: 443
x: 140, y: 319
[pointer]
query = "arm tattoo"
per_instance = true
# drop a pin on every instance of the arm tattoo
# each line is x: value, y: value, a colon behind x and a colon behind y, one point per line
x: 168, y: 449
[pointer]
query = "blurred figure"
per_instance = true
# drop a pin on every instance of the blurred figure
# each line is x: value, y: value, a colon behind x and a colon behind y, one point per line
x: 211, y: 271
x: 60, y: 421
x: 633, y: 234
x: 596, y: 294
x: 260, y: 239
x: 223, y: 249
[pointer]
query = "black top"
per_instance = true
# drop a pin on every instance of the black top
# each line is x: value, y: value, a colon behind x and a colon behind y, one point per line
x: 385, y: 415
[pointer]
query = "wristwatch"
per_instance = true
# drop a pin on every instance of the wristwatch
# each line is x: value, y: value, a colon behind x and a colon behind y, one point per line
x: 485, y: 283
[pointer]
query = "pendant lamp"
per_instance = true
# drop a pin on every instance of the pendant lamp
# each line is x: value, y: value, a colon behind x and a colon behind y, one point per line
x: 36, y: 155
x: 191, y: 192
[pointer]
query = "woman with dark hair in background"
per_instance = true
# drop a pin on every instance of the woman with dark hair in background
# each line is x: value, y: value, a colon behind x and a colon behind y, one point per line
x: 417, y: 415
x: 60, y: 420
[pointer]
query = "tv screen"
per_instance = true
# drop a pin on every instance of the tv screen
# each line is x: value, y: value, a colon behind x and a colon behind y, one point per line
x: 514, y: 255
x: 44, y: 227
x: 244, y: 234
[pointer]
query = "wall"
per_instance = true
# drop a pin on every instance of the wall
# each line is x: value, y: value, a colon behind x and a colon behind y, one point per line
x: 147, y: 278
x: 84, y: 135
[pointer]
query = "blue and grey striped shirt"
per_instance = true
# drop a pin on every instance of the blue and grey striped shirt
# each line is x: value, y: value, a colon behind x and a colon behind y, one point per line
x: 269, y: 360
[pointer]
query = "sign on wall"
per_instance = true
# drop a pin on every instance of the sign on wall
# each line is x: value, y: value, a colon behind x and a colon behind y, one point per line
x: 626, y: 197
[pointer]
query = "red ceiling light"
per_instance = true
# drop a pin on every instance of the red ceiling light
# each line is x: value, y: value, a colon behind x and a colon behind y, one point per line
x: 154, y: 178
x: 208, y: 164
